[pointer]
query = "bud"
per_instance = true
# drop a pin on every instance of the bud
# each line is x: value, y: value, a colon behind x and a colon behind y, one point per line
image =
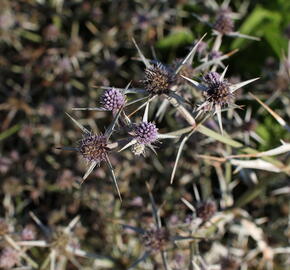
x: 224, y: 23
x: 138, y: 149
x: 146, y: 133
x: 113, y: 100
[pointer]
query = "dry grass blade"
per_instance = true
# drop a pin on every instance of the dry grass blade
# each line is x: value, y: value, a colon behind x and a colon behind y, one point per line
x: 188, y: 204
x: 278, y: 118
x: 258, y: 164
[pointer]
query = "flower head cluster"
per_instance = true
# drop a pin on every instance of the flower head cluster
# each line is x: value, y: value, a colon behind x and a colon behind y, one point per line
x: 156, y: 239
x: 112, y: 100
x: 158, y: 79
x: 218, y: 91
x: 146, y: 133
x: 94, y: 148
x: 224, y: 23
x: 205, y: 210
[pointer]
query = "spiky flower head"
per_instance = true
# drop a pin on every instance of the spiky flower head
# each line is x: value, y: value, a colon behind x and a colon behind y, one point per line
x: 205, y: 210
x: 218, y: 91
x: 156, y: 239
x: 224, y: 24
x: 158, y: 79
x: 94, y: 148
x: 112, y: 100
x: 9, y: 257
x: 146, y: 133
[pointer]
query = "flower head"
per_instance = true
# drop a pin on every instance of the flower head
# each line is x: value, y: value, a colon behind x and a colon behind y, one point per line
x: 158, y: 79
x: 146, y: 133
x: 113, y: 99
x: 218, y: 91
x: 94, y: 148
x: 156, y: 239
x: 138, y: 149
x: 224, y: 24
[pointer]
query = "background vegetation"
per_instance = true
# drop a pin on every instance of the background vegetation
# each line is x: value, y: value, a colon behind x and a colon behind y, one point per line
x: 56, y: 55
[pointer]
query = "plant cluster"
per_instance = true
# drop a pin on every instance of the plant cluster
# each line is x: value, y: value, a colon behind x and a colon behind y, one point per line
x: 176, y: 103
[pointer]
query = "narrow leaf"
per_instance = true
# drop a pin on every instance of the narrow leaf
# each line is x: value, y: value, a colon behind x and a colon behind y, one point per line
x: 79, y: 124
x: 114, y: 178
x: 89, y: 170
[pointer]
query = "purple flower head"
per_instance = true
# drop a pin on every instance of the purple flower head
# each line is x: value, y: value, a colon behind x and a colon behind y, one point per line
x: 113, y: 99
x: 217, y: 92
x: 224, y: 23
x: 212, y: 78
x: 94, y: 148
x: 146, y: 133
